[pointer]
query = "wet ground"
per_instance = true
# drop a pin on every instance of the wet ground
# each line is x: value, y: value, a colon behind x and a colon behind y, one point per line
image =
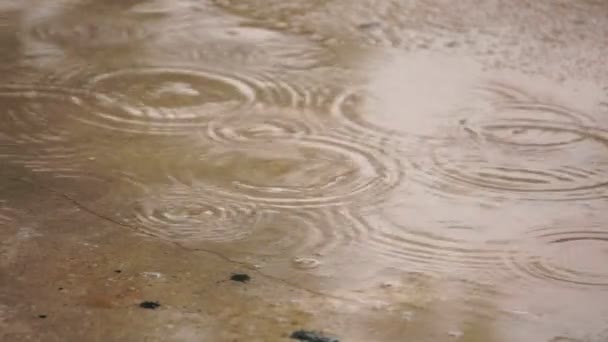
x: 247, y: 170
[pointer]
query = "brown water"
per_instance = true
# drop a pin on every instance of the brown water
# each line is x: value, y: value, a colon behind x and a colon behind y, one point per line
x: 383, y: 170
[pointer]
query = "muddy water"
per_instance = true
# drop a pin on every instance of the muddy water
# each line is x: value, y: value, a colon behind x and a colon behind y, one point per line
x: 384, y: 170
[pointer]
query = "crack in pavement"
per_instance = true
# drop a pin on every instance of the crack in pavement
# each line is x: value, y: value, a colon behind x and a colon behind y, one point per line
x: 219, y: 255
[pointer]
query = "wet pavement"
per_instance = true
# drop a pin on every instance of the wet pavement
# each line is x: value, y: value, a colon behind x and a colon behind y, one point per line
x: 304, y: 170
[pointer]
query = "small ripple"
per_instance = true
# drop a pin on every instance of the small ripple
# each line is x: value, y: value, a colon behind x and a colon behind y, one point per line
x: 313, y: 171
x: 195, y: 218
x: 389, y: 104
x: 235, y: 43
x: 387, y: 101
x: 26, y: 109
x: 408, y: 245
x: 272, y: 11
x: 347, y: 107
x: 178, y: 100
x: 7, y: 214
x: 37, y: 126
x: 569, y: 164
x: 519, y: 150
x: 282, y: 237
x: 190, y: 216
x: 264, y: 125
x: 87, y: 25
x: 572, y: 257
x: 517, y: 119
x: 91, y: 34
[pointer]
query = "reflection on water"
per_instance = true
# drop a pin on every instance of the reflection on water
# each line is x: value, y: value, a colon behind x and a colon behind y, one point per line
x: 446, y: 195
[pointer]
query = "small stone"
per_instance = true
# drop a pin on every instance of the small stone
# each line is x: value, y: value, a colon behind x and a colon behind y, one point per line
x: 149, y: 305
x: 240, y: 277
x: 311, y: 336
x: 387, y: 285
x: 369, y: 26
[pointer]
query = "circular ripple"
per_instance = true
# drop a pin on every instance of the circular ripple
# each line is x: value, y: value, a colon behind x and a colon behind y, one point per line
x: 40, y: 126
x: 30, y: 111
x: 519, y: 121
x: 573, y: 257
x: 414, y: 246
x: 349, y: 107
x: 575, y: 170
x: 400, y: 97
x: 307, y: 172
x: 520, y: 150
x: 284, y: 236
x: 173, y: 100
x: 228, y: 41
x: 491, y: 109
x: 188, y: 215
x: 267, y: 124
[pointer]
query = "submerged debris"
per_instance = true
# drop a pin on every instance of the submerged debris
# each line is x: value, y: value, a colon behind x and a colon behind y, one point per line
x: 311, y: 336
x: 149, y: 305
x: 240, y: 277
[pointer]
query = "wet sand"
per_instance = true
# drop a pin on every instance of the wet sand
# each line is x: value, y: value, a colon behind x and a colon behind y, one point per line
x: 243, y: 170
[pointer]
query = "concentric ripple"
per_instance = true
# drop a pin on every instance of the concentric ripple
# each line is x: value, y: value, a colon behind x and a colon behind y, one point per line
x: 574, y: 171
x: 38, y: 125
x: 229, y: 41
x: 517, y: 119
x: 174, y: 100
x: 264, y: 125
x: 520, y: 150
x: 313, y: 171
x: 347, y: 107
x: 411, y: 245
x: 284, y: 236
x: 400, y: 95
x: 189, y: 215
x: 31, y: 110
x: 570, y: 257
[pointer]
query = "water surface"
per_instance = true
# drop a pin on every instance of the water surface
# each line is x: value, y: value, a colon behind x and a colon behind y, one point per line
x: 384, y: 170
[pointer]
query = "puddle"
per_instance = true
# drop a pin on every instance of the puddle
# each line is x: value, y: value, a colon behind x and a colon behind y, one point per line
x: 379, y: 170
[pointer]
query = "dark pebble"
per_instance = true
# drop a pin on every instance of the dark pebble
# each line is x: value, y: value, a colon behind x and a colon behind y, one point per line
x: 149, y: 305
x: 369, y: 26
x: 240, y: 277
x: 311, y: 336
x: 41, y: 316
